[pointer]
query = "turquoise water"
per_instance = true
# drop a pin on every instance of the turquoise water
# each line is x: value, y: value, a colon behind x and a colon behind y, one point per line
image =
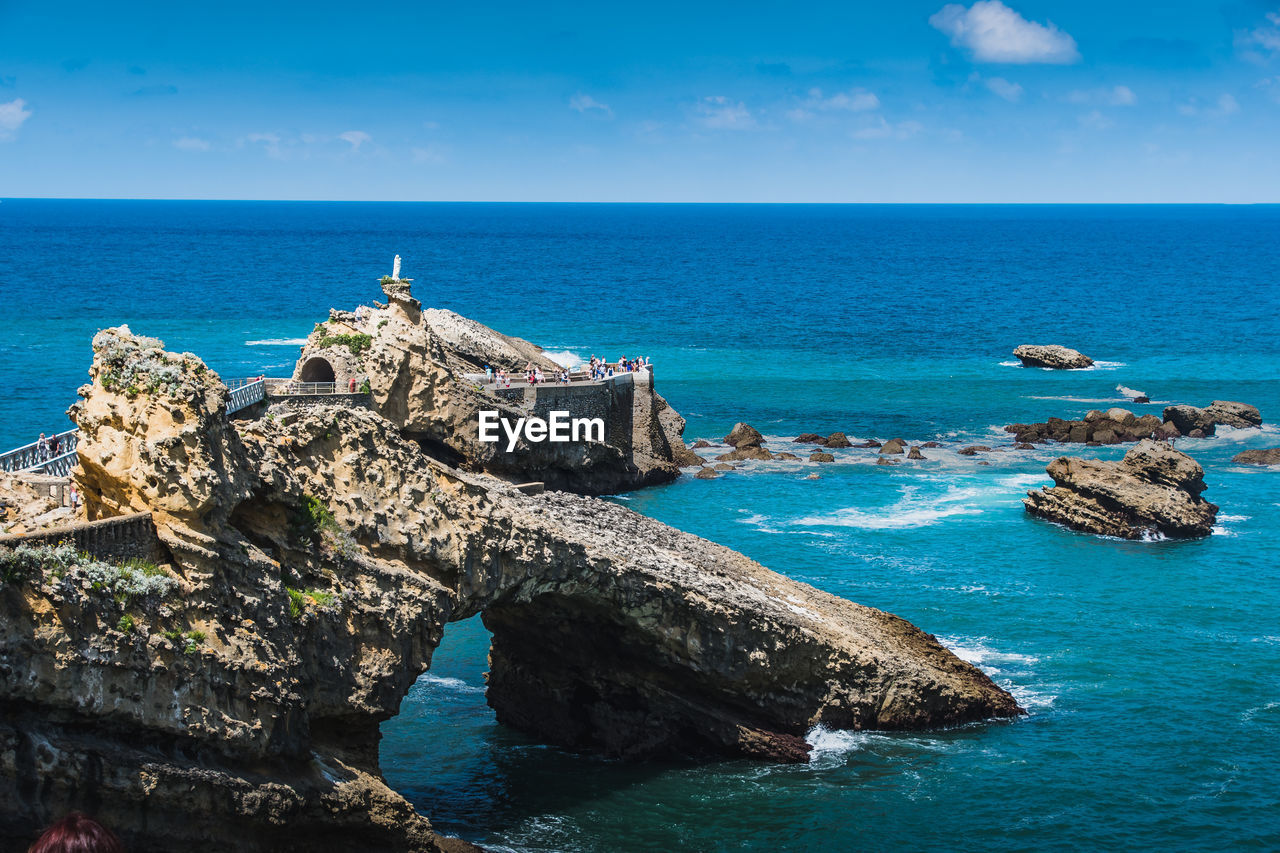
x: 1151, y: 669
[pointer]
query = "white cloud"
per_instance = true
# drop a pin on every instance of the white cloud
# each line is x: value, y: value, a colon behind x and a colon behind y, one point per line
x: 1122, y: 96
x: 1266, y: 36
x: 881, y: 129
x: 996, y: 33
x: 585, y: 103
x: 355, y: 138
x: 269, y: 141
x: 12, y: 115
x: 429, y: 154
x: 1011, y: 92
x: 1116, y: 96
x: 191, y: 143
x: 719, y: 113
x: 1225, y: 105
x: 854, y: 101
x: 1096, y: 120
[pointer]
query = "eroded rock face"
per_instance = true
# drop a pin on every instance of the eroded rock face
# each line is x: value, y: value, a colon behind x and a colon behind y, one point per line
x: 1154, y: 491
x: 417, y: 363
x: 1052, y: 355
x: 1233, y: 414
x: 318, y: 562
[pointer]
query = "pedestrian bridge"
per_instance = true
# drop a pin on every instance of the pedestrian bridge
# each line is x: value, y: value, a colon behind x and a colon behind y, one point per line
x: 56, y: 456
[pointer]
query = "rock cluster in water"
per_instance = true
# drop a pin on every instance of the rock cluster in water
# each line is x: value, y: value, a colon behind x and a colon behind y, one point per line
x: 1155, y: 491
x: 1055, y: 356
x: 311, y: 561
x: 1117, y: 425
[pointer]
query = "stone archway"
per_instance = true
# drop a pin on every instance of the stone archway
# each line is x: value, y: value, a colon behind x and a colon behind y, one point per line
x: 317, y: 370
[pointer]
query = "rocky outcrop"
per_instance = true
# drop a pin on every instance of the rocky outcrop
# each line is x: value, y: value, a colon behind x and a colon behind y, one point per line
x: 821, y: 456
x: 1233, y: 414
x: 838, y: 439
x: 744, y: 435
x: 418, y: 365
x: 914, y: 453
x: 1269, y: 456
x: 311, y: 563
x: 809, y: 438
x: 893, y: 447
x: 1113, y: 426
x: 973, y: 450
x: 1154, y: 491
x: 1051, y: 355
x: 1190, y: 420
x: 707, y: 474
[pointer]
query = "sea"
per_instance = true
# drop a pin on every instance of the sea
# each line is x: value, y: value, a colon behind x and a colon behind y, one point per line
x: 1150, y: 670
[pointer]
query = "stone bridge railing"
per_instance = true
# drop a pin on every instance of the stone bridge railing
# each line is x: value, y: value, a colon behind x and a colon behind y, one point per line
x: 119, y: 538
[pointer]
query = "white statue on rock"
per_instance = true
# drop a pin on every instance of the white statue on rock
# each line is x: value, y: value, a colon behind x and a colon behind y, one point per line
x: 395, y: 268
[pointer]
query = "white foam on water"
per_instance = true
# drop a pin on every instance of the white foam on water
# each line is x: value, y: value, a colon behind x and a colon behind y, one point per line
x: 1022, y: 482
x: 565, y: 357
x: 1153, y: 536
x: 977, y: 652
x: 1105, y: 365
x: 455, y: 685
x: 1130, y: 393
x: 277, y: 342
x: 1219, y: 530
x: 1071, y: 399
x: 831, y: 744
x: 1011, y: 364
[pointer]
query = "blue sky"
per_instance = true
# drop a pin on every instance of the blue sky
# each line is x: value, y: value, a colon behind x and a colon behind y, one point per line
x: 1029, y: 101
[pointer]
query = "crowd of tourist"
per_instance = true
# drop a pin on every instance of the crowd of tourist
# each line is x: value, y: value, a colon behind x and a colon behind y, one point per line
x: 596, y: 369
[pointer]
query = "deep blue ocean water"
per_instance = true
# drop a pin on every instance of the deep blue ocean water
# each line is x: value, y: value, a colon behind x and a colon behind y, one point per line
x: 1151, y: 669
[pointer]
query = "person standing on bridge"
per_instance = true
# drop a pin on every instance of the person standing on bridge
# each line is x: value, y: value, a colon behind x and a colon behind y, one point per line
x: 42, y: 449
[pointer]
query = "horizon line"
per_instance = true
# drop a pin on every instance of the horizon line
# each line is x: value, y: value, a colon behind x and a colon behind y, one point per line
x: 665, y: 202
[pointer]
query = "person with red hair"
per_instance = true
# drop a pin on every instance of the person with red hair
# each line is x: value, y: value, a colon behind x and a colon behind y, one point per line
x: 77, y: 833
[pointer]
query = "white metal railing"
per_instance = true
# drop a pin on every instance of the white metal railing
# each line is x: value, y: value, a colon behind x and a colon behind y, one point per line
x: 36, y: 455
x: 245, y: 394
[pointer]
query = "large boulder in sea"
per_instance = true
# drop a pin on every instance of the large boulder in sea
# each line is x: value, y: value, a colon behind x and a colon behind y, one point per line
x: 1052, y: 355
x: 1155, y: 491
x: 893, y: 447
x: 306, y: 568
x: 838, y: 439
x: 1188, y: 419
x: 743, y: 435
x: 1267, y: 456
x: 1233, y: 414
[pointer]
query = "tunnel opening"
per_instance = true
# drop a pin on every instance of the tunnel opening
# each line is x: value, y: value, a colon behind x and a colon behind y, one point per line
x: 317, y: 370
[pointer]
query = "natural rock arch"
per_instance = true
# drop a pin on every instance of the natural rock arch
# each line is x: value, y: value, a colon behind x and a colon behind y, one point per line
x: 317, y: 370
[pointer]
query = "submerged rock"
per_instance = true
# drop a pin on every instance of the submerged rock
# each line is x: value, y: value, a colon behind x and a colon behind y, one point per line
x: 820, y: 456
x: 1052, y: 355
x: 808, y: 438
x: 1154, y: 490
x: 744, y: 452
x: 1268, y: 456
x: 707, y: 474
x: 973, y: 450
